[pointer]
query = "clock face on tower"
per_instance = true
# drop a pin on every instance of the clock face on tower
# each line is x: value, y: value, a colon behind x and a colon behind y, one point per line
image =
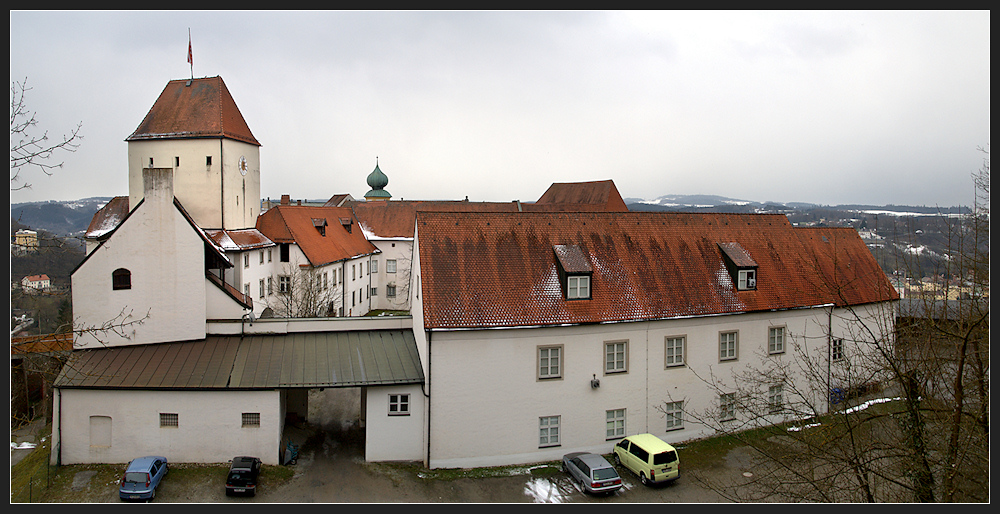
x: 243, y: 165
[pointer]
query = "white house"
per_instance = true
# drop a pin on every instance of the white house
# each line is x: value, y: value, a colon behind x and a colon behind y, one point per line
x: 546, y: 333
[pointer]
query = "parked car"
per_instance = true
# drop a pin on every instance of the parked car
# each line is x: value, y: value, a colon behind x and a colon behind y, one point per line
x: 141, y: 477
x: 592, y: 471
x: 651, y: 459
x: 243, y: 474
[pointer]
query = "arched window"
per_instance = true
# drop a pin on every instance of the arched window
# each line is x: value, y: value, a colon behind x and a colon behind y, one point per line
x: 121, y: 278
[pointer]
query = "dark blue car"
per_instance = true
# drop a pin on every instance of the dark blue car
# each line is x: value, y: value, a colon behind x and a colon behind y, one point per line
x: 141, y: 478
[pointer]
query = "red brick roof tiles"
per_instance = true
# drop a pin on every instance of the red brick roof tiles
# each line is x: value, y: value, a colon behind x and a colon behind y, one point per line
x: 194, y: 108
x: 600, y: 196
x: 483, y: 270
x: 298, y: 224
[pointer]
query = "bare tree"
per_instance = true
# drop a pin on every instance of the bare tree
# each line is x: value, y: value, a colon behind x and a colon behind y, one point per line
x: 873, y: 414
x: 28, y: 149
x: 302, y: 293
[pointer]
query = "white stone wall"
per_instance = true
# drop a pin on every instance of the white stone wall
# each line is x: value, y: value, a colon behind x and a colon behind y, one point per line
x: 392, y: 437
x: 486, y: 398
x: 401, y: 251
x: 209, y: 425
x: 216, y: 195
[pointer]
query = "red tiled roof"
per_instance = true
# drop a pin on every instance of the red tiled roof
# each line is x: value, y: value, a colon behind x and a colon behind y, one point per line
x: 484, y: 270
x: 192, y: 109
x: 238, y: 240
x: 41, y: 344
x: 599, y: 196
x: 297, y: 224
x: 395, y: 218
x: 108, y: 217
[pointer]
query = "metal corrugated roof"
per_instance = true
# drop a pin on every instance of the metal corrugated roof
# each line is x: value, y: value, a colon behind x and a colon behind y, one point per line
x: 259, y: 361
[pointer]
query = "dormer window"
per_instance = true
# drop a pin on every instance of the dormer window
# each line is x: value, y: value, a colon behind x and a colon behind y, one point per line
x: 741, y: 266
x: 575, y: 272
x: 320, y: 224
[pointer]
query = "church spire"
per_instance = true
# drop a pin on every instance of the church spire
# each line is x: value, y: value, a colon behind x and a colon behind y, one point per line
x: 377, y: 182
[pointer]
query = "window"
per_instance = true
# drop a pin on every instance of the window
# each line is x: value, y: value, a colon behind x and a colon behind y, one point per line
x: 270, y: 286
x: 776, y: 340
x: 674, y: 351
x: 261, y: 288
x: 177, y: 162
x: 390, y: 266
x: 268, y: 255
x: 168, y: 419
x: 615, y: 424
x: 747, y: 279
x: 548, y: 431
x: 284, y: 284
x: 774, y: 400
x: 390, y: 291
x: 578, y: 287
x: 262, y: 256
x: 837, y: 350
x: 208, y: 160
x: 121, y: 278
x: 374, y: 266
x: 246, y: 289
x: 283, y: 250
x: 251, y: 420
x: 374, y: 291
x: 614, y: 357
x: 727, y: 346
x: 549, y: 362
x: 399, y: 405
x: 246, y: 260
x: 674, y: 412
x: 326, y: 283
x: 727, y: 406
x: 354, y: 272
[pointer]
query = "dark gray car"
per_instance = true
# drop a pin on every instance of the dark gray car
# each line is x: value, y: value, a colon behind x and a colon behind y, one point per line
x: 592, y: 471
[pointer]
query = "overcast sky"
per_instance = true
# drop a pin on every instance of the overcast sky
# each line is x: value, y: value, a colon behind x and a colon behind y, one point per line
x: 824, y: 107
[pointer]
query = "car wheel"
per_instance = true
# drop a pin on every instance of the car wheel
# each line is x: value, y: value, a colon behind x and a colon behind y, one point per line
x: 618, y: 460
x: 643, y: 479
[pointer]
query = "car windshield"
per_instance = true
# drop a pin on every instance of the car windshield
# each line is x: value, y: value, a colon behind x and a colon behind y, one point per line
x: 136, y: 477
x: 238, y: 476
x: 664, y: 458
x: 605, y: 474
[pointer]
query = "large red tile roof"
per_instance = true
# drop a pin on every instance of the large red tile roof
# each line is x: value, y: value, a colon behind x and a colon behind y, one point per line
x: 300, y: 224
x: 395, y: 218
x: 194, y: 108
x: 600, y: 196
x: 482, y: 270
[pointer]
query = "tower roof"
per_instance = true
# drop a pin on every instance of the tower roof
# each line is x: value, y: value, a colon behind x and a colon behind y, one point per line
x: 194, y: 108
x: 377, y: 181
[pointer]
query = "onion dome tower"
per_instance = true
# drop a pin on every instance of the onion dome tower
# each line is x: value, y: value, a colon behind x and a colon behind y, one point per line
x: 377, y: 181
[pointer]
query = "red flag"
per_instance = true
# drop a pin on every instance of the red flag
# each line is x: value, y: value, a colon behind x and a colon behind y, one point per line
x: 190, y: 58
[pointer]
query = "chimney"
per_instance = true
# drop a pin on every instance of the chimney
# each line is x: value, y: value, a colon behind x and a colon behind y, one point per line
x: 158, y: 183
x: 285, y: 199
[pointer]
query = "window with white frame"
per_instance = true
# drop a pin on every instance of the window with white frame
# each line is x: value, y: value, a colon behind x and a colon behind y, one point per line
x: 284, y: 284
x: 261, y: 288
x: 616, y: 357
x: 326, y: 281
x: 374, y: 267
x: 390, y: 265
x: 775, y: 403
x: 727, y: 406
x: 390, y: 291
x: 251, y: 420
x: 246, y: 289
x: 727, y: 346
x: 837, y: 349
x: 747, y: 279
x: 354, y: 273
x: 549, y: 362
x: 614, y: 424
x: 374, y: 291
x: 169, y: 420
x: 399, y: 404
x: 673, y: 351
x: 548, y: 431
x: 246, y: 260
x: 674, y: 414
x: 268, y: 255
x: 270, y: 285
x: 262, y: 256
x: 577, y: 287
x: 776, y: 340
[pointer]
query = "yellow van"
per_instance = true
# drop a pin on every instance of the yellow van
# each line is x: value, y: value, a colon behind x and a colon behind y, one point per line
x: 646, y: 455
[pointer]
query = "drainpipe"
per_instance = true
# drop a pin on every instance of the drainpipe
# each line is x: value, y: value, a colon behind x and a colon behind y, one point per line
x: 427, y: 395
x: 829, y: 355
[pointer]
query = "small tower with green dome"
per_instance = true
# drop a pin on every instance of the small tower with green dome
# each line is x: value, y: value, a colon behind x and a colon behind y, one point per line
x: 377, y: 181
